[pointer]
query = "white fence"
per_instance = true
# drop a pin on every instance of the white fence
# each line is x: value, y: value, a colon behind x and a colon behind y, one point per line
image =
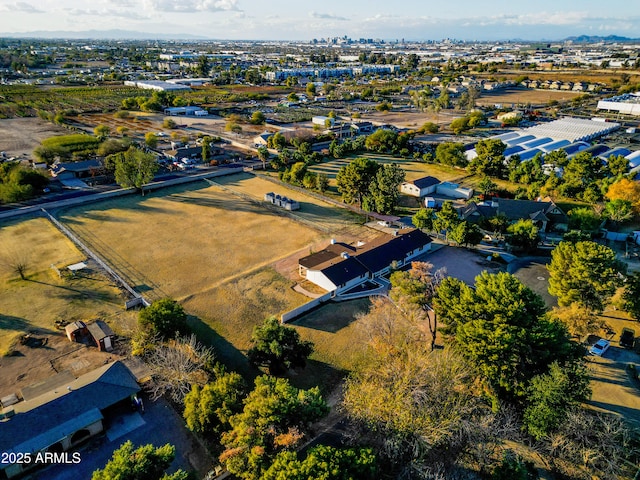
x: 297, y: 312
x: 137, y: 297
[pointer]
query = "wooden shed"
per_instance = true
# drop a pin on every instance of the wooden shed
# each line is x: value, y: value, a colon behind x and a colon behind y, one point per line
x: 75, y: 331
x: 102, y: 335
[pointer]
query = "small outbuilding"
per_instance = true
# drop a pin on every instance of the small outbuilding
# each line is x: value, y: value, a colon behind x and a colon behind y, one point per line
x: 420, y: 187
x: 102, y: 335
x: 75, y: 331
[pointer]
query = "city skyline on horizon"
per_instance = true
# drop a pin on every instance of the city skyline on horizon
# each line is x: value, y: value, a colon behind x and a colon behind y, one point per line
x: 289, y: 20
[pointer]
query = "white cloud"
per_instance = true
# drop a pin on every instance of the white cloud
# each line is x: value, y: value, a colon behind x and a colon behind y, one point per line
x: 190, y: 6
x: 19, y: 7
x: 327, y: 16
x: 106, y: 12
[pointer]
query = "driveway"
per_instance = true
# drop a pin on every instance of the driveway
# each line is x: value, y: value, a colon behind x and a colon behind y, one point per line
x: 612, y: 388
x: 532, y: 271
x: 460, y: 263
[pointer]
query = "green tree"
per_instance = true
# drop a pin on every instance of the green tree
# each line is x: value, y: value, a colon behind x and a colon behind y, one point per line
x: 452, y: 154
x: 353, y: 179
x: 381, y: 141
x: 101, y: 131
x: 429, y: 127
x: 164, y: 317
x: 384, y: 189
x: 423, y: 219
x: 460, y: 125
x: 311, y: 89
x: 465, y: 233
x: 490, y: 158
x: 446, y: 219
x: 257, y: 118
x: 326, y: 463
x: 584, y: 218
x: 618, y: 211
x: 207, y: 410
x: 550, y: 395
x: 487, y: 186
x: 513, y: 467
x: 501, y: 328
x: 278, y: 347
x: 206, y: 148
x: 263, y: 155
x: 134, y: 168
x: 151, y: 140
x: 584, y: 272
x: 322, y: 182
x: 203, y: 69
x: 631, y: 295
x: 523, y: 235
x: 277, y: 141
x: 169, y: 123
x: 617, y: 165
x: 274, y: 418
x: 143, y: 463
x: 383, y: 106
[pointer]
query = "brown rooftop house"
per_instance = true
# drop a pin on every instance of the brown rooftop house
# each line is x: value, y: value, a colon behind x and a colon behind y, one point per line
x: 75, y: 331
x: 340, y: 267
x: 102, y: 335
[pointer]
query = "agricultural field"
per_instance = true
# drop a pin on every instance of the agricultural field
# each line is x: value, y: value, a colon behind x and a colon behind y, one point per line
x: 34, y: 304
x: 26, y: 101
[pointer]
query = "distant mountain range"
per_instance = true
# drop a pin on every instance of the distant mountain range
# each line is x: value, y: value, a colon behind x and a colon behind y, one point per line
x: 596, y: 39
x: 114, y: 34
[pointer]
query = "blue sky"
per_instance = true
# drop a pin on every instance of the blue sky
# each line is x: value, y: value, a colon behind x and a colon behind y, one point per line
x: 300, y: 20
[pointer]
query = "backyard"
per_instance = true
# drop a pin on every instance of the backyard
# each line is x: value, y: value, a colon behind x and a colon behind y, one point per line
x: 33, y: 305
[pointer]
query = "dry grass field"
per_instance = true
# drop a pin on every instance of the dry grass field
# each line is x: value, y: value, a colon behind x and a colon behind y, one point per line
x: 205, y: 247
x: 35, y: 303
x: 521, y: 97
x: 186, y: 241
x: 325, y: 216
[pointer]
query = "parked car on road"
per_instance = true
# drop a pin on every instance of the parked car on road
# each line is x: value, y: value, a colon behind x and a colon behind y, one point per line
x: 599, y: 347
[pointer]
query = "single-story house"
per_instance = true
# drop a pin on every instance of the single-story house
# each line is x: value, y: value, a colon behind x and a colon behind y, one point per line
x: 61, y: 418
x: 184, y: 152
x: 545, y: 214
x: 340, y: 266
x: 102, y: 335
x: 420, y: 187
x: 83, y: 169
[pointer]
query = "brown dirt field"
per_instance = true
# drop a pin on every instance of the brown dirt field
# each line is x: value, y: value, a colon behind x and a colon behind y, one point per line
x: 33, y: 305
x: 410, y: 119
x: 31, y: 365
x: 535, y: 97
x: 19, y: 136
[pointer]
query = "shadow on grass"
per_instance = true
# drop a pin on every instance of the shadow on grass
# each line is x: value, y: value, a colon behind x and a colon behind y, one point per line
x: 333, y: 316
x: 225, y: 352
x: 316, y: 373
x: 9, y: 322
x: 71, y: 294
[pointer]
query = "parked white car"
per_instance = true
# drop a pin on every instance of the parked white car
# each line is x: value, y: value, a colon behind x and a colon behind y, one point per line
x: 599, y: 347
